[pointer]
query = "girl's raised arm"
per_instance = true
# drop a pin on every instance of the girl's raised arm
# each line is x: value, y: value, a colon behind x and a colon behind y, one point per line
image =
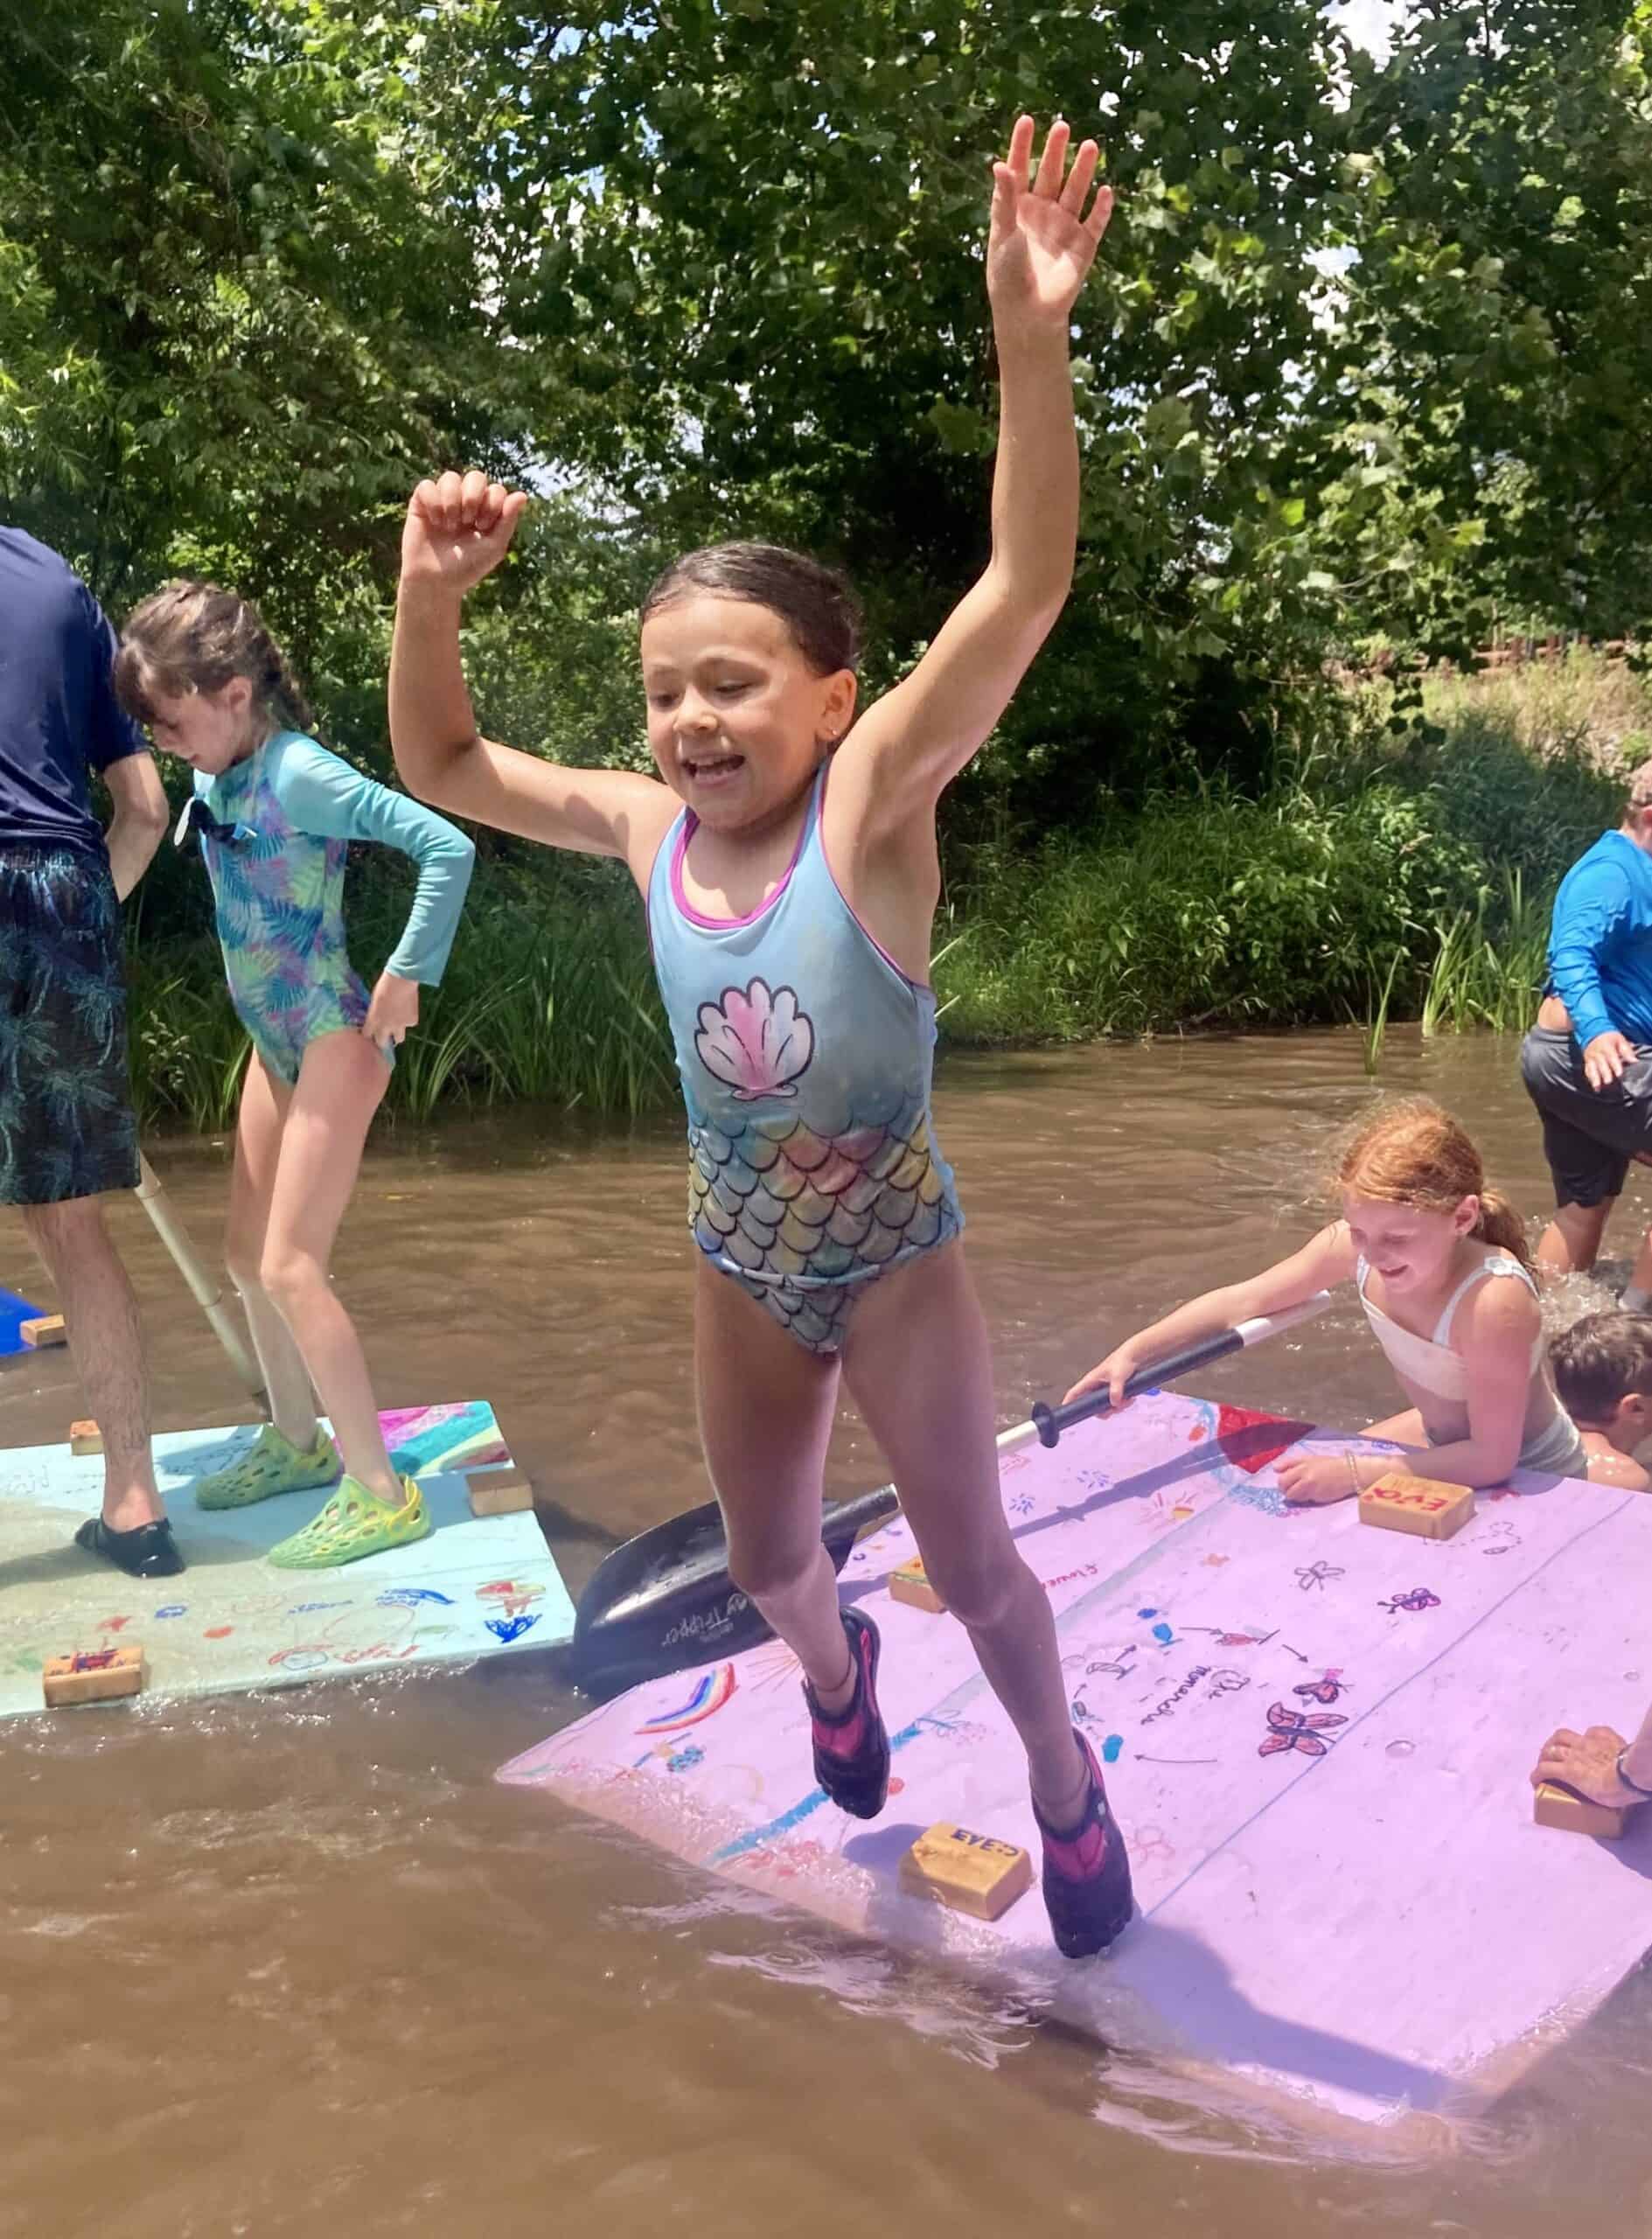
x: 1040, y: 247
x: 1324, y: 1261
x: 458, y: 528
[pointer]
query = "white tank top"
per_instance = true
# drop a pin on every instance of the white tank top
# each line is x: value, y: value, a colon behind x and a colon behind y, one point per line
x: 1429, y: 1361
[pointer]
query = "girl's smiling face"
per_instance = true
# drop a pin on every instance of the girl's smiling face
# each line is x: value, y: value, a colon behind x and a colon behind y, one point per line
x: 209, y: 730
x: 737, y: 718
x: 1410, y: 1246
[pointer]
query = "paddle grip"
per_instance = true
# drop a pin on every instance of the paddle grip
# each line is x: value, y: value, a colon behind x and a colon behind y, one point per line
x: 1050, y: 1422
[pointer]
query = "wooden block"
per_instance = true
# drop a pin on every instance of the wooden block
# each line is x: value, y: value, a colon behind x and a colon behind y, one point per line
x: 46, y: 1330
x: 92, y: 1676
x: 973, y: 1873
x: 85, y: 1438
x: 911, y: 1583
x: 1420, y: 1505
x: 1556, y: 1806
x: 499, y: 1492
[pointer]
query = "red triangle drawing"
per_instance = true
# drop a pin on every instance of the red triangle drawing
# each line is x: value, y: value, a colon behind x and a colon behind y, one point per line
x: 1243, y: 1434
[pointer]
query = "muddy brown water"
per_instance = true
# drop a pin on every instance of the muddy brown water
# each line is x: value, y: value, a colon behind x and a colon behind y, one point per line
x: 294, y: 1964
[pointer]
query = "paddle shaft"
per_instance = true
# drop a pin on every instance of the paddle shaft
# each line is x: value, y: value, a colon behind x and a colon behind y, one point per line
x: 1046, y: 1424
x: 151, y: 1195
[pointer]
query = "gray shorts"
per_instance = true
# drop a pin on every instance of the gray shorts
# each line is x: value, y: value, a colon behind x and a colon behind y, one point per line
x: 1589, y: 1135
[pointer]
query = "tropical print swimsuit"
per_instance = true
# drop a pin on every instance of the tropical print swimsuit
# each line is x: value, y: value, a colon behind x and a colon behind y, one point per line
x: 275, y: 831
x: 805, y: 1054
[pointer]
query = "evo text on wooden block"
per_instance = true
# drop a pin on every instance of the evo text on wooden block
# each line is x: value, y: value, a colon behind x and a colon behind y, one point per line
x: 1420, y: 1505
x: 973, y: 1874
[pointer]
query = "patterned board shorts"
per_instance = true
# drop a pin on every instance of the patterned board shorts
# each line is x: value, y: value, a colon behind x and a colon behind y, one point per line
x: 67, y: 1128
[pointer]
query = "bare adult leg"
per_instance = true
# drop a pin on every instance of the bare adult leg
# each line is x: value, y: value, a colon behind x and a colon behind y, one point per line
x: 264, y: 1102
x: 341, y: 1084
x: 918, y: 1363
x: 1571, y: 1242
x: 106, y: 1346
x: 765, y: 1416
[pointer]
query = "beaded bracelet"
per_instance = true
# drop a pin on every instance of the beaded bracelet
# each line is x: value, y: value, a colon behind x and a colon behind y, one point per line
x: 1633, y: 1785
x: 1354, y: 1484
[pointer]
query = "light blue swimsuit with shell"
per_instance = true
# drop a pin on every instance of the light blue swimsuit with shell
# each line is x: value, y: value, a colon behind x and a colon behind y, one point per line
x: 805, y: 1054
x: 286, y: 816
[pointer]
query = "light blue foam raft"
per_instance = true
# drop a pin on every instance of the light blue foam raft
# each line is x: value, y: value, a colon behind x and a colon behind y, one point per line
x: 477, y: 1587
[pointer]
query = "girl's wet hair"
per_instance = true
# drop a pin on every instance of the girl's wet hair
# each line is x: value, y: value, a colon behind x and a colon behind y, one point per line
x: 1599, y: 1362
x: 1413, y: 1153
x: 193, y: 637
x: 814, y: 601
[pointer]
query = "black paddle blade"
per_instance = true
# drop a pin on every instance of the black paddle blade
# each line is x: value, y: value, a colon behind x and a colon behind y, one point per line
x: 664, y: 1601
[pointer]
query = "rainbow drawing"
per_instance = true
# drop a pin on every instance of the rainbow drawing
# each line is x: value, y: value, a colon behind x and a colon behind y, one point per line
x: 709, y: 1696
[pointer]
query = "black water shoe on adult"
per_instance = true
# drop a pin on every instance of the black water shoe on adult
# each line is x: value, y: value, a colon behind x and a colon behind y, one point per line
x: 146, y: 1552
x: 851, y: 1747
x: 1087, y: 1891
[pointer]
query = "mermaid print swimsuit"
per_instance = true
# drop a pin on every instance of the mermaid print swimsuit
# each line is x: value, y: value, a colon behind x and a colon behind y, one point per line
x: 275, y: 830
x: 805, y: 1054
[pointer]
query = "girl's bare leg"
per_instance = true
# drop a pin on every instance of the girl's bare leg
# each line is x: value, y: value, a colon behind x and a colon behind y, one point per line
x: 765, y: 1416
x: 341, y: 1084
x: 264, y: 1101
x: 918, y: 1363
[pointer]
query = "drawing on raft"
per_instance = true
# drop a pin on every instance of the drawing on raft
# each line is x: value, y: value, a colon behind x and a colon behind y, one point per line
x: 1287, y: 1854
x: 1304, y: 1661
x: 476, y: 1587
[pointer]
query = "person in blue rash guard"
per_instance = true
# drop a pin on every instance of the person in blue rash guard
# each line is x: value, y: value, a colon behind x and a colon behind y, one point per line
x: 1587, y: 1062
x: 275, y: 814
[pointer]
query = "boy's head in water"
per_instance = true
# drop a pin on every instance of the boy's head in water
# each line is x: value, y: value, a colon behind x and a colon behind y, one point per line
x: 1414, y: 1189
x: 1603, y: 1373
x: 749, y: 656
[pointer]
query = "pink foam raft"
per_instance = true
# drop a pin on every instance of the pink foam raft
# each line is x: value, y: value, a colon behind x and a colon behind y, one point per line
x: 1317, y: 1736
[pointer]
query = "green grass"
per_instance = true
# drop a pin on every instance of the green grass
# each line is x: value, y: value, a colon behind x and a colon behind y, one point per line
x: 549, y: 997
x: 1372, y: 880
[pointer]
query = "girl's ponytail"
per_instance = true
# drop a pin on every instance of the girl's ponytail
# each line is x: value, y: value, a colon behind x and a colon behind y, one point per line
x: 1501, y: 1224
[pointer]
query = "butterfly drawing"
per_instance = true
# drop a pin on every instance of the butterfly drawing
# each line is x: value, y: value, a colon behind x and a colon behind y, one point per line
x: 1322, y: 1691
x: 1418, y: 1598
x: 1294, y: 1730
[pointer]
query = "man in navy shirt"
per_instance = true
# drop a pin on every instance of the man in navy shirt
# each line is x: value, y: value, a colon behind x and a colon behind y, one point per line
x: 1587, y: 1062
x: 67, y: 1131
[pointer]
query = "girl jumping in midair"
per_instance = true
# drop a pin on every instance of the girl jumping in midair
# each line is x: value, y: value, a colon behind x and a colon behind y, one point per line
x: 789, y: 867
x: 275, y: 812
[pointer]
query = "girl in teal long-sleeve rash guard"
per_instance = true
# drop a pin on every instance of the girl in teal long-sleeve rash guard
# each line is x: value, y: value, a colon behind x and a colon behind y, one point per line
x: 275, y: 813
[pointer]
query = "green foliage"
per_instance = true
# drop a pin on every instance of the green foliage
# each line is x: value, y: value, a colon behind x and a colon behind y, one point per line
x: 549, y: 997
x: 236, y: 292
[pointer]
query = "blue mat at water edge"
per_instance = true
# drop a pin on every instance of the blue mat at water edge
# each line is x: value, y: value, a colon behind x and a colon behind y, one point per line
x: 477, y: 1587
x: 14, y: 1312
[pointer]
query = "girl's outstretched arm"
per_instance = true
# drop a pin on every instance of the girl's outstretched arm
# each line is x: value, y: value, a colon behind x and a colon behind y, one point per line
x: 1040, y: 244
x: 458, y: 530
x: 1324, y: 1261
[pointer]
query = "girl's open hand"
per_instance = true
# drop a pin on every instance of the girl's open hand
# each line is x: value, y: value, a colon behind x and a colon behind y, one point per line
x: 1312, y: 1480
x: 1111, y: 1376
x: 1040, y: 243
x: 458, y: 530
x: 393, y: 1009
